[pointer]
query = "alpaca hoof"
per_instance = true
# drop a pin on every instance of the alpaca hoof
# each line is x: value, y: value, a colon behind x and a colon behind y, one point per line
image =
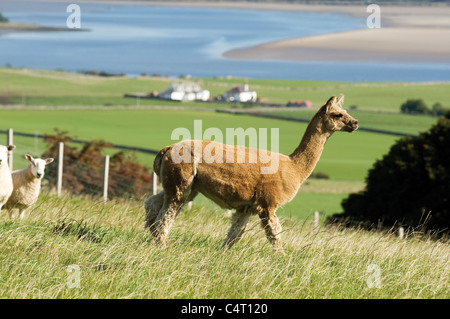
x: 164, y: 240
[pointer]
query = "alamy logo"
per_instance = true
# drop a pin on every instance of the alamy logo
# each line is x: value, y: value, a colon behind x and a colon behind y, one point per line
x: 374, y: 278
x: 214, y: 152
x: 73, y: 280
x: 74, y: 20
x: 374, y: 20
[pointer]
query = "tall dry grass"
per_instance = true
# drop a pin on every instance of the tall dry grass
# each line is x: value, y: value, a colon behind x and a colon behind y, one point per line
x: 117, y: 258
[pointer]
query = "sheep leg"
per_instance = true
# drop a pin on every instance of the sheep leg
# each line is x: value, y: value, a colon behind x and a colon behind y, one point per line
x: 239, y: 221
x: 152, y: 207
x: 272, y: 227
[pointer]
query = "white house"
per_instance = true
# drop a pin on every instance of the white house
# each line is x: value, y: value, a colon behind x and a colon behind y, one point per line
x: 185, y: 92
x: 240, y: 94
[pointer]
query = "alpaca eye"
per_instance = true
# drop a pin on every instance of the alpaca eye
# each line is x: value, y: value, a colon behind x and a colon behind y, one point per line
x: 338, y: 115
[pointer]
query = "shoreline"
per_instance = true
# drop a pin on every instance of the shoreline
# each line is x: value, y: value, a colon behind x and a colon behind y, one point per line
x: 10, y: 27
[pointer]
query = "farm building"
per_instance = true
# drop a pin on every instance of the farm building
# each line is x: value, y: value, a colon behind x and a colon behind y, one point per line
x: 240, y: 94
x: 306, y: 104
x: 185, y: 92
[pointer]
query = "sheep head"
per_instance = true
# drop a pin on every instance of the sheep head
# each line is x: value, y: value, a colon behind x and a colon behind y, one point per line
x: 38, y: 165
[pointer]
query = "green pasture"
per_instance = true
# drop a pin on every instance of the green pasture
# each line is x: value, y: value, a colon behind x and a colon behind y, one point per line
x: 393, y: 122
x: 346, y: 156
x: 58, y: 88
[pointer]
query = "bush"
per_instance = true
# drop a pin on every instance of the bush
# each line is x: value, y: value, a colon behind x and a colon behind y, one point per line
x: 83, y: 169
x: 414, y: 107
x: 409, y: 183
x: 320, y: 175
x: 438, y: 109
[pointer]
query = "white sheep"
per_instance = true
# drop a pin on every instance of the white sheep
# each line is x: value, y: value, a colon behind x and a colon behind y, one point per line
x: 26, y: 185
x: 6, y: 184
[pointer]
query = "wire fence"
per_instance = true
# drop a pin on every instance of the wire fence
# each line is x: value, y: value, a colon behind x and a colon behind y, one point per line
x: 103, y: 175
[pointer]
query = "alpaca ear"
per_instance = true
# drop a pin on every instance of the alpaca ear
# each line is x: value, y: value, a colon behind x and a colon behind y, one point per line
x: 330, y: 103
x: 11, y: 147
x: 340, y: 100
x: 48, y: 161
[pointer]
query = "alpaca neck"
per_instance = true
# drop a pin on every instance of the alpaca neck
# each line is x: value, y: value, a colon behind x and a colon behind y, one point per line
x: 308, y: 153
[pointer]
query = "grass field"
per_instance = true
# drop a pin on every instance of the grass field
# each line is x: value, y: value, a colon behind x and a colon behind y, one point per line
x: 57, y: 88
x: 117, y: 259
x: 394, y: 122
x: 153, y: 129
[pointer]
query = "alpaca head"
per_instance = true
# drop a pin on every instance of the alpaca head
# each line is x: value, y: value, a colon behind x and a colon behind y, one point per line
x: 38, y: 165
x: 4, y: 153
x: 335, y: 118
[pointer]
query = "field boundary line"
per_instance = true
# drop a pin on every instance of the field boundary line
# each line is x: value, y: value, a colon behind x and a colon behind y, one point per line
x: 79, y: 141
x: 287, y: 118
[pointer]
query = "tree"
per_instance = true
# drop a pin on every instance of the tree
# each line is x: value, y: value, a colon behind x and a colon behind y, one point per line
x: 409, y: 183
x: 83, y: 168
x: 414, y: 107
x: 438, y: 109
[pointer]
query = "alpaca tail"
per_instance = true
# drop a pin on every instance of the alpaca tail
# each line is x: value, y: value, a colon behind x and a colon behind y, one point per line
x: 158, y: 159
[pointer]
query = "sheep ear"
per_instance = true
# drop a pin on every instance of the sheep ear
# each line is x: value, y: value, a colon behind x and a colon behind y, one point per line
x: 29, y: 158
x: 11, y: 147
x: 48, y: 161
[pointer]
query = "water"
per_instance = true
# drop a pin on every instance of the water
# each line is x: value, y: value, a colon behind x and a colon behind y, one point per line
x: 175, y: 41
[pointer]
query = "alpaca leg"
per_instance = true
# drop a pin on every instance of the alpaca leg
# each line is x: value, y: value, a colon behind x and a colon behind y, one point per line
x: 272, y: 227
x: 171, y: 207
x: 22, y: 213
x: 177, y: 181
x: 165, y: 220
x: 153, y: 205
x: 238, y: 223
x: 11, y: 213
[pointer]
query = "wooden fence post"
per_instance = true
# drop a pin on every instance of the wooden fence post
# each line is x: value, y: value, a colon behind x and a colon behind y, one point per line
x: 401, y: 232
x: 316, y: 219
x: 105, y: 179
x: 60, y: 167
x: 155, y: 183
x: 10, y: 141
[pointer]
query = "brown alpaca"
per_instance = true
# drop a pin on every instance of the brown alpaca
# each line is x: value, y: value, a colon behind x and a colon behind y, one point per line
x: 241, y: 186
